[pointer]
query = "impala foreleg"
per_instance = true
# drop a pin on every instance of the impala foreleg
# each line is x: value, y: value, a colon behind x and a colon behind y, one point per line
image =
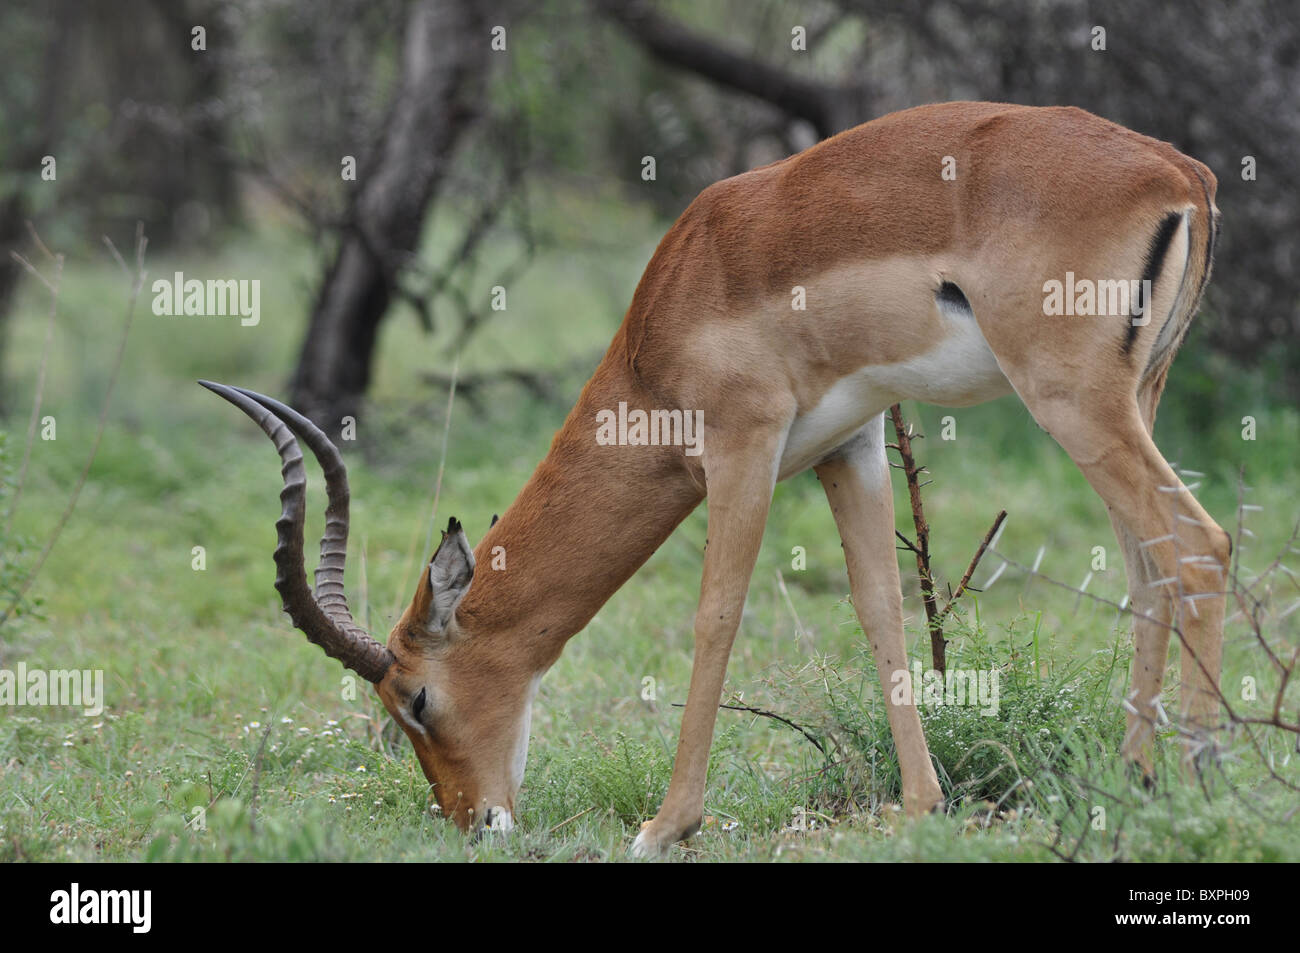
x: 740, y: 484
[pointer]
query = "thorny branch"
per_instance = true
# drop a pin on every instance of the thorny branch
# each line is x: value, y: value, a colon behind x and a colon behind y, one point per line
x: 921, y: 548
x: 775, y: 717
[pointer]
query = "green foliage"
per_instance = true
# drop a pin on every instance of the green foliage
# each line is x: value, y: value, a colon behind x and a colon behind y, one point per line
x: 1043, y: 723
x: 622, y: 777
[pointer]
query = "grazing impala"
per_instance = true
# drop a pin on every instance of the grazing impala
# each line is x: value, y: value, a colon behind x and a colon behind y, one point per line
x: 923, y: 246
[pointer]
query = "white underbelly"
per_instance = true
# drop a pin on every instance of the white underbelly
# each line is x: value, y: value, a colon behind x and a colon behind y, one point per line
x: 960, y: 371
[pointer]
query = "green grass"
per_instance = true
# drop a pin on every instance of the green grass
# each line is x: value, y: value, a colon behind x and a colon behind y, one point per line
x: 198, y: 664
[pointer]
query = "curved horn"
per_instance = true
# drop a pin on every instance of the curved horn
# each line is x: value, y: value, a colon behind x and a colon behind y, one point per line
x: 324, y: 618
x: 330, y: 595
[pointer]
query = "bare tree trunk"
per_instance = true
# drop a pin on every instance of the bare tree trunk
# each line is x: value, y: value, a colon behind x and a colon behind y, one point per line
x: 444, y: 62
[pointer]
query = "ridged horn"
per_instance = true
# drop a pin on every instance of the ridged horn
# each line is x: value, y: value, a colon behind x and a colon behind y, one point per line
x: 324, y: 616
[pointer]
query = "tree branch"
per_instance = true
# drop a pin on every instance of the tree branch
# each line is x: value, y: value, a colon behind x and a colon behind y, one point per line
x: 829, y: 108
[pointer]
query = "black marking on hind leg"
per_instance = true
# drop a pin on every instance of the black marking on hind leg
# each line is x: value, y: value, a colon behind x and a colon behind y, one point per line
x: 950, y: 298
x: 1156, y: 252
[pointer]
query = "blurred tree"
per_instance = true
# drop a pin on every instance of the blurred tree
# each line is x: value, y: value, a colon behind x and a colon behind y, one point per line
x: 131, y: 115
x: 442, y: 83
x: 25, y: 143
x: 829, y: 106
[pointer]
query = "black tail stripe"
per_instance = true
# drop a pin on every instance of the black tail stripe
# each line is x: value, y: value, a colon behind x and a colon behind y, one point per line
x: 1155, y: 259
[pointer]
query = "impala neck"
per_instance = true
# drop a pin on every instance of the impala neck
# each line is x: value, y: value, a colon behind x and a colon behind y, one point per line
x: 587, y: 519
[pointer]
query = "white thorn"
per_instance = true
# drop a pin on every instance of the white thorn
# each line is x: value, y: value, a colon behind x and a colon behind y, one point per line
x: 1152, y: 542
x: 1206, y: 562
x: 994, y: 578
x: 993, y: 543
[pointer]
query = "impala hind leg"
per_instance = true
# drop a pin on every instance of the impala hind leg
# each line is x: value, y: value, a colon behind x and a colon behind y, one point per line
x: 857, y: 487
x: 1177, y: 542
x: 1152, y: 615
x: 740, y: 483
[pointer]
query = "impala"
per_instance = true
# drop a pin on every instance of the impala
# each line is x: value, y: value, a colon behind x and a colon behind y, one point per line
x: 923, y: 246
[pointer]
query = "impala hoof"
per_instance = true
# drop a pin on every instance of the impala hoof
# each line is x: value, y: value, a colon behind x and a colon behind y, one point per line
x: 646, y: 847
x: 653, y: 843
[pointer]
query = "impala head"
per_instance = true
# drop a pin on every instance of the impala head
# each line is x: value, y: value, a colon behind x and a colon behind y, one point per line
x: 464, y: 702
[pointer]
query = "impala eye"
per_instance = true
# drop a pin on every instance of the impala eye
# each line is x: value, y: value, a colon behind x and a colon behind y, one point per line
x: 417, y: 706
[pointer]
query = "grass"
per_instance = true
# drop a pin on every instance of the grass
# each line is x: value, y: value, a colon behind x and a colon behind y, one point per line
x: 203, y: 672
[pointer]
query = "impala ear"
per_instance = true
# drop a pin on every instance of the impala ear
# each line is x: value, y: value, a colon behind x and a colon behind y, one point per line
x: 451, y: 570
x: 494, y: 521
